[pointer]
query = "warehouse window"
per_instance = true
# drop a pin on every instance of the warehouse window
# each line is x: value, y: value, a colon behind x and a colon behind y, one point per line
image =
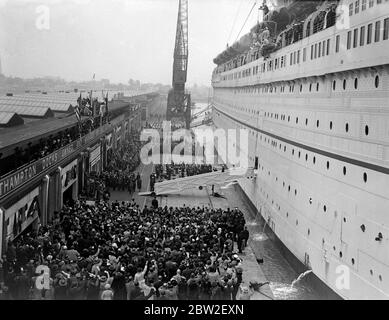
x: 369, y: 32
x: 386, y: 29
x: 355, y: 44
x: 348, y: 40
x: 377, y: 31
x: 362, y: 36
x: 337, y: 43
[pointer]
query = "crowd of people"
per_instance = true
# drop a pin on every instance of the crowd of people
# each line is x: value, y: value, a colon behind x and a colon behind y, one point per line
x: 120, y: 173
x: 165, y: 172
x: 118, y: 251
x: 44, y: 147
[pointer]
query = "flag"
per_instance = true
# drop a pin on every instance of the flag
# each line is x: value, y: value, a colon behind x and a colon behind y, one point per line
x: 78, y: 114
x: 92, y: 104
x: 106, y: 103
x: 78, y: 109
x: 101, y: 111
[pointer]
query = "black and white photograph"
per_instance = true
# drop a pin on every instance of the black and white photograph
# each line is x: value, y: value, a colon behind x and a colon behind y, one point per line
x: 205, y: 157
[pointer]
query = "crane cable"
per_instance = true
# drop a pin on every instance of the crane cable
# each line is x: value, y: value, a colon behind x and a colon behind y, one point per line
x: 236, y: 17
x: 252, y: 8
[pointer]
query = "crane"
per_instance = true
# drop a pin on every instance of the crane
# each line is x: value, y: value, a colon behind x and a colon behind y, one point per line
x: 179, y: 102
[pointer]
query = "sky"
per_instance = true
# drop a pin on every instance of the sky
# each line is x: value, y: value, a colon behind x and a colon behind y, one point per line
x: 115, y: 39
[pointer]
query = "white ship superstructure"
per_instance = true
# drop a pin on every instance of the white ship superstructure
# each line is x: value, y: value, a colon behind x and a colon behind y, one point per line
x: 314, y: 98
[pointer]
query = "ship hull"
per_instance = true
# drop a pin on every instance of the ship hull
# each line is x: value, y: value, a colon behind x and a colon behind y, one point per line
x: 290, y: 224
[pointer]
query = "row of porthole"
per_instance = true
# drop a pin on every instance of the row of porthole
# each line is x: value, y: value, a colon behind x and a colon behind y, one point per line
x: 268, y: 173
x: 291, y: 87
x: 308, y: 231
x: 283, y: 117
x: 275, y: 144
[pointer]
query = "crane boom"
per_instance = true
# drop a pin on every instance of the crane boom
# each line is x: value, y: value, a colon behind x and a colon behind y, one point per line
x: 179, y: 104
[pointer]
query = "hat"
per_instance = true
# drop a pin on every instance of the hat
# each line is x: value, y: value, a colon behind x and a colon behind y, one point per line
x: 62, y: 282
x: 107, y: 286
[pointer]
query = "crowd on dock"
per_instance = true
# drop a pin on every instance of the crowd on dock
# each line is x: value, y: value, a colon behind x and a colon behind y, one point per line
x: 165, y: 172
x: 115, y: 251
x: 44, y: 147
x: 120, y: 174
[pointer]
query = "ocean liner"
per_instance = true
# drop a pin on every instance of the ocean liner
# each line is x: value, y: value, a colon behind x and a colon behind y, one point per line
x: 310, y: 84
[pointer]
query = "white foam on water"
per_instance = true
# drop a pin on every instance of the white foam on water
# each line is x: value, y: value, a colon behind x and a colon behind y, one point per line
x: 283, y: 291
x: 259, y: 237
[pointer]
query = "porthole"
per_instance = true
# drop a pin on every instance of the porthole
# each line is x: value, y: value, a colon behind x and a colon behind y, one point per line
x: 363, y: 228
x: 293, y: 152
x: 288, y: 188
x: 299, y: 154
x: 288, y: 118
x: 344, y: 84
x: 317, y: 123
x: 356, y: 83
x: 317, y: 86
x: 284, y: 148
x: 295, y: 192
x: 331, y: 125
x: 325, y: 208
x: 306, y: 121
x: 344, y: 220
x: 301, y: 87
x: 347, y: 127
x: 344, y: 171
x: 297, y: 120
x: 365, y: 177
x: 352, y: 261
x: 297, y: 222
x: 328, y: 165
x: 309, y: 232
x: 367, y: 130
x: 377, y: 81
x: 334, y: 85
x: 310, y: 87
x: 340, y: 254
x: 314, y: 160
x: 310, y: 200
x: 371, y: 272
x: 306, y: 157
x: 380, y: 277
x: 287, y: 214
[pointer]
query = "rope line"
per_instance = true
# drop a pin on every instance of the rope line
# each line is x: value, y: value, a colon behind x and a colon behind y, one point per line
x: 252, y: 8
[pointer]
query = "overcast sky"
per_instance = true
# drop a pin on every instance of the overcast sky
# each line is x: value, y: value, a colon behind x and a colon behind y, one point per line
x: 115, y: 39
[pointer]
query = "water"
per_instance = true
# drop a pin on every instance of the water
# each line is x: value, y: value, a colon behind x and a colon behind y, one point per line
x: 300, y: 277
x: 285, y: 282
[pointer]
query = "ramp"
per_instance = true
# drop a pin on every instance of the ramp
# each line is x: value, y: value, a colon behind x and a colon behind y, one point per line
x: 216, y: 178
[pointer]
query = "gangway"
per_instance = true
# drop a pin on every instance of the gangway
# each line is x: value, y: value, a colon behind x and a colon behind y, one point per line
x: 216, y: 178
